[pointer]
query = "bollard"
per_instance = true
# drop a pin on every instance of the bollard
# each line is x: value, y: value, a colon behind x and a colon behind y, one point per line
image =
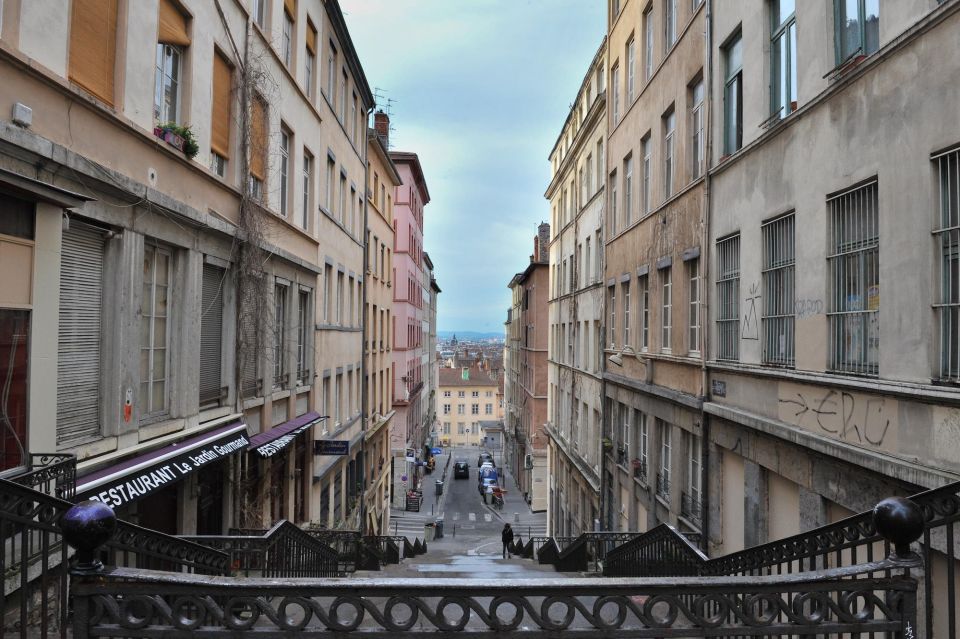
x: 395, y: 522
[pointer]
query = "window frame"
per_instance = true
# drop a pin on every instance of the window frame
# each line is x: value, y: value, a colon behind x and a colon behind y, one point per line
x: 733, y: 91
x: 694, y: 296
x: 779, y: 290
x: 947, y: 233
x: 149, y: 410
x: 839, y: 12
x: 666, y: 309
x: 782, y: 29
x: 728, y: 298
x: 159, y: 102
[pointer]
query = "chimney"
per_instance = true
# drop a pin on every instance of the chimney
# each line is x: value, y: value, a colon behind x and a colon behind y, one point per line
x: 541, y: 242
x: 381, y: 124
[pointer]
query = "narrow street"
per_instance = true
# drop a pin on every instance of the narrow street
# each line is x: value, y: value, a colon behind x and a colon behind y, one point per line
x: 470, y: 546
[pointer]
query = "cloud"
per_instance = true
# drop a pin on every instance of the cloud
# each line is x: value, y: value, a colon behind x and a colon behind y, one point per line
x: 479, y: 90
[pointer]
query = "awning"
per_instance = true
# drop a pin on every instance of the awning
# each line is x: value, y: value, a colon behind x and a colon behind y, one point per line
x: 139, y: 476
x: 279, y: 437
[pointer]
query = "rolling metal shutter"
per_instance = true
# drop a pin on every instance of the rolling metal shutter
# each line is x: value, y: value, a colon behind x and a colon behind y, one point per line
x: 211, y: 334
x: 78, y: 349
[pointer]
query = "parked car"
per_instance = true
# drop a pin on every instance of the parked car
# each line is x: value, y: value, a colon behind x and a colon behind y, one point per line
x: 484, y: 458
x: 461, y: 469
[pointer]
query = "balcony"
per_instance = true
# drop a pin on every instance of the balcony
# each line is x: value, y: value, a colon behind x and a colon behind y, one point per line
x: 690, y: 508
x: 663, y: 486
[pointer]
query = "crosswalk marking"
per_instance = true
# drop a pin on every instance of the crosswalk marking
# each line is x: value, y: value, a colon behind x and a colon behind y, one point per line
x: 472, y: 516
x: 488, y: 517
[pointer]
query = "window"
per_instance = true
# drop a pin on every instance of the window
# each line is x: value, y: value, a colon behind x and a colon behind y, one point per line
x: 211, y: 335
x: 340, y: 309
x: 587, y: 276
x: 669, y: 127
x: 783, y: 61
x: 666, y: 315
x: 696, y: 127
x: 625, y: 287
x: 331, y: 74
x: 615, y: 84
x: 693, y: 321
x: 669, y: 23
x: 93, y: 46
x: 733, y: 96
x: 287, y: 42
x: 446, y: 409
x: 612, y: 305
x: 331, y: 181
x: 588, y: 187
x: 627, y: 190
x: 853, y: 259
x: 625, y: 428
x: 646, y: 147
x: 643, y: 442
x: 303, y: 335
x: 778, y: 291
x: 155, y: 336
x: 343, y: 95
x: 260, y: 13
x: 474, y: 409
x: 599, y: 163
x: 284, y: 171
x: 948, y: 237
x: 663, y: 478
x: 166, y: 103
x: 728, y: 298
x: 460, y: 409
x: 643, y: 284
x: 488, y: 409
x: 857, y: 25
x: 220, y: 114
x: 259, y: 125
x: 460, y: 428
x: 354, y: 135
x: 690, y: 507
x: 307, y: 191
x: 612, y: 217
x: 446, y: 393
x: 279, y: 335
x: 631, y: 69
x: 475, y: 394
x: 310, y: 65
x: 461, y: 394
x: 648, y: 44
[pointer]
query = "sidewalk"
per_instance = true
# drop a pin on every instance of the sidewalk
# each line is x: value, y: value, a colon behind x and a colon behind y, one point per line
x: 430, y: 507
x: 516, y: 511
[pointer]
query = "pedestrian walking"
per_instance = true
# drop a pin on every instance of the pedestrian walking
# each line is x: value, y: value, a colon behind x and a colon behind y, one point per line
x: 488, y: 491
x: 507, y: 538
x: 483, y: 494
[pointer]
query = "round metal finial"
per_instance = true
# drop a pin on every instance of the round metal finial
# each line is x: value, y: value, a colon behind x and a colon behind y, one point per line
x: 899, y: 521
x: 86, y: 527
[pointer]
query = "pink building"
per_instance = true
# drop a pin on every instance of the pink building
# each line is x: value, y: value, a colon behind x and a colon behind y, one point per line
x: 409, y: 341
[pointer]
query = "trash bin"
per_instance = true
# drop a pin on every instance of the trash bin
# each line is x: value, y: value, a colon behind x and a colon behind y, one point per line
x: 438, y: 530
x: 428, y: 529
x: 439, y: 484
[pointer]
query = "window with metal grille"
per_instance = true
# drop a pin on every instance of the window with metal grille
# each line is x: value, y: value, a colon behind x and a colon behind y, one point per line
x: 947, y: 233
x: 778, y: 291
x: 728, y: 298
x: 853, y: 263
x: 693, y: 321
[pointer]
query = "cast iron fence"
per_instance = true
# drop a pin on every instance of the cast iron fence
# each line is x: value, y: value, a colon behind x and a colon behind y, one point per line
x: 51, y: 473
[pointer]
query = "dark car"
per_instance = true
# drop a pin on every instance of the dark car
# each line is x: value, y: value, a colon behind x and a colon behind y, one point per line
x: 485, y: 457
x: 461, y: 469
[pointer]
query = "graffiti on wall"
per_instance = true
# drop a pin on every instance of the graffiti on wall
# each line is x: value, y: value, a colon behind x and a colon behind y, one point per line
x: 751, y: 325
x: 850, y: 417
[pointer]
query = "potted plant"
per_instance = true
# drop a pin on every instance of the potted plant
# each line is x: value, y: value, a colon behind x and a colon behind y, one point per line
x: 179, y: 137
x: 607, y: 444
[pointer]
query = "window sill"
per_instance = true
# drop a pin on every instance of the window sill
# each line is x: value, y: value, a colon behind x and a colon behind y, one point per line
x: 663, y: 500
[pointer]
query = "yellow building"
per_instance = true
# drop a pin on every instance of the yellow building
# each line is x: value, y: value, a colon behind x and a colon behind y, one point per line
x: 465, y: 398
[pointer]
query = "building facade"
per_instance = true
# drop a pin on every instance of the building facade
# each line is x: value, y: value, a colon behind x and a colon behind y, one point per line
x: 526, y: 384
x: 575, y: 368
x: 409, y: 292
x: 431, y: 364
x: 382, y: 180
x: 653, y: 431
x: 184, y: 302
x: 466, y: 397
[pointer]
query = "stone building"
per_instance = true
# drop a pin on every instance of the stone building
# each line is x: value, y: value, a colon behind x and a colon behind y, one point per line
x: 409, y: 290
x: 186, y: 307
x: 382, y: 180
x: 652, y: 469
x: 525, y: 384
x: 466, y: 397
x: 574, y: 405
x: 431, y: 424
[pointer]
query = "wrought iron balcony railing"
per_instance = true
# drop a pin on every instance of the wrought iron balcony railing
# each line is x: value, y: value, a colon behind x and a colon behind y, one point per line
x: 51, y: 473
x: 663, y: 485
x: 690, y: 508
x: 640, y: 470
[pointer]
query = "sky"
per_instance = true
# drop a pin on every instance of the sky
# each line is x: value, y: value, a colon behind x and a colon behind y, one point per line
x: 480, y: 90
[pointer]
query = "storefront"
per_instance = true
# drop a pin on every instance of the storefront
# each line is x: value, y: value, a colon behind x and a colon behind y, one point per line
x: 177, y: 489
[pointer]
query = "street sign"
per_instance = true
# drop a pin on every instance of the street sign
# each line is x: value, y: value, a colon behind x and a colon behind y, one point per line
x: 331, y: 447
x: 411, y: 455
x: 436, y: 451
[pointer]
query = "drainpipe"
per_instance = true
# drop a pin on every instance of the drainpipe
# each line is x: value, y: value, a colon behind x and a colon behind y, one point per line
x: 705, y: 311
x: 365, y: 327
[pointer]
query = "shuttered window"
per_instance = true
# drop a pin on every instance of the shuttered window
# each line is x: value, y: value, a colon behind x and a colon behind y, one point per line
x: 78, y: 348
x: 173, y: 25
x: 93, y: 46
x: 211, y: 335
x: 258, y: 138
x: 220, y: 125
x: 248, y: 353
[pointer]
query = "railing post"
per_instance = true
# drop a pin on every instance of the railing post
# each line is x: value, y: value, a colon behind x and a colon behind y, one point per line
x: 87, y: 526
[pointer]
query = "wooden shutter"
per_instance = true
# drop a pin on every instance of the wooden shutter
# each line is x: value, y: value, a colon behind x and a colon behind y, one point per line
x: 222, y: 91
x: 290, y: 6
x: 211, y: 333
x: 311, y: 38
x: 93, y: 46
x: 78, y: 346
x: 173, y: 25
x: 258, y: 138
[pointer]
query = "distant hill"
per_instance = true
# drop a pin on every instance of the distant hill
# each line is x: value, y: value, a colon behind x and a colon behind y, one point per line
x: 471, y: 335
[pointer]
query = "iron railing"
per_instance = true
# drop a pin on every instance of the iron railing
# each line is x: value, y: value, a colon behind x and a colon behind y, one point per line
x: 34, y: 558
x: 690, y: 507
x: 51, y: 473
x: 663, y: 551
x: 285, y: 550
x: 346, y: 543
x: 843, y: 602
